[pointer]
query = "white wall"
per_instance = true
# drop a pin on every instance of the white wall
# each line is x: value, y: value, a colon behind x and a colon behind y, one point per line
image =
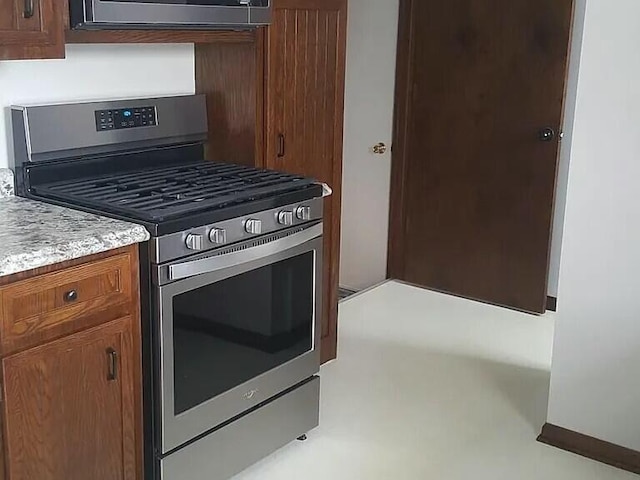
x: 94, y: 72
x: 595, y: 378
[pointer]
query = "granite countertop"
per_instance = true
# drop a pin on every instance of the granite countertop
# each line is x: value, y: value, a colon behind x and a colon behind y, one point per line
x: 6, y: 183
x: 35, y: 234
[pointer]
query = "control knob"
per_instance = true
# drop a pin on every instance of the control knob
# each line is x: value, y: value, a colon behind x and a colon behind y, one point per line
x: 285, y: 217
x: 303, y: 212
x: 194, y: 241
x: 253, y: 226
x: 218, y: 236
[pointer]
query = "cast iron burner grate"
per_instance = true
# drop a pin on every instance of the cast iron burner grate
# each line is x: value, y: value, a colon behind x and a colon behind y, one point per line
x: 160, y: 194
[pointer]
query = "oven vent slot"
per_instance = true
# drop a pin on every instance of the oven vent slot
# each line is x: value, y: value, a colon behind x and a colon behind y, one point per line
x: 258, y: 242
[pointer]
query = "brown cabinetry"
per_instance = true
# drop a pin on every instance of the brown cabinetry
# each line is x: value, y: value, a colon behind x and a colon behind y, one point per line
x: 31, y: 29
x: 277, y: 102
x: 305, y: 68
x: 69, y: 407
x: 71, y: 386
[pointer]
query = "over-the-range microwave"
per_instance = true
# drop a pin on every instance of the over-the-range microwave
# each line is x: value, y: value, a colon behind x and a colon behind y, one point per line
x: 184, y: 14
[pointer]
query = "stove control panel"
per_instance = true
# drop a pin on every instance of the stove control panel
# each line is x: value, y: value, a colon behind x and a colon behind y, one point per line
x: 227, y: 232
x: 121, y: 118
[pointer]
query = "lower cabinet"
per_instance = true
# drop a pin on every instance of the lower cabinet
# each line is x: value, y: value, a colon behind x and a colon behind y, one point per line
x: 69, y: 407
x: 71, y: 395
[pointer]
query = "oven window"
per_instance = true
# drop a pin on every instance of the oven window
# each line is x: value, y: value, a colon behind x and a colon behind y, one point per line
x: 231, y: 331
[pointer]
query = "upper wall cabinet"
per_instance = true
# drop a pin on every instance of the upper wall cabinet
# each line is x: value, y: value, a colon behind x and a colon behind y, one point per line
x: 31, y: 29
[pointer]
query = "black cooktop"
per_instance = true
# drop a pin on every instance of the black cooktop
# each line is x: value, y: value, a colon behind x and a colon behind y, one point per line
x: 161, y: 194
x: 166, y: 189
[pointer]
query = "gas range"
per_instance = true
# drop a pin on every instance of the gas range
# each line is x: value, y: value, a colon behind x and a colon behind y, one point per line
x: 191, y: 206
x: 231, y: 279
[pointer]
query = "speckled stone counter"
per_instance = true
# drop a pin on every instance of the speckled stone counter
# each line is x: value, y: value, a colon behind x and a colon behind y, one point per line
x: 34, y: 234
x: 6, y: 183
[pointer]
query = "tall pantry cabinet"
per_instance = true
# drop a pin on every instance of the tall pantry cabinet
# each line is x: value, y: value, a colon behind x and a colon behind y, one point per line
x: 275, y: 99
x: 304, y: 102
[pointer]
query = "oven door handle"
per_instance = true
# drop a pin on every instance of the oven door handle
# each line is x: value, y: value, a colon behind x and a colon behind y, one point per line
x: 184, y: 270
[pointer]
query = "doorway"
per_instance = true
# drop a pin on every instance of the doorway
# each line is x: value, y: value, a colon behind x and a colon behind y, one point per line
x: 369, y: 97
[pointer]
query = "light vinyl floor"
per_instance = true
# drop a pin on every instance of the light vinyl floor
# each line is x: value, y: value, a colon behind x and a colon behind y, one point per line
x: 429, y: 386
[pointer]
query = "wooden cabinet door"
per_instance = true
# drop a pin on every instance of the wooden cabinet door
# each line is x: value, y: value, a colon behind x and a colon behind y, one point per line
x: 306, y: 46
x: 31, y: 29
x: 69, y: 407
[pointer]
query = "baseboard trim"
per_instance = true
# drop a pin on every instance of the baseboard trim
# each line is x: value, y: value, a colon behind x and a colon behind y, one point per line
x: 344, y: 293
x: 590, y: 447
x: 366, y: 290
x: 552, y: 304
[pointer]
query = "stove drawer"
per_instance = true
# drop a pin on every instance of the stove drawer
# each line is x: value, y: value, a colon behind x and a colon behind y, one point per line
x: 48, y: 306
x: 230, y: 449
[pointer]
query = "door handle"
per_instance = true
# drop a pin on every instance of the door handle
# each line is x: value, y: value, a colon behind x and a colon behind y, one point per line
x: 281, y: 145
x: 547, y: 134
x: 29, y: 9
x: 112, y: 358
x: 379, y: 149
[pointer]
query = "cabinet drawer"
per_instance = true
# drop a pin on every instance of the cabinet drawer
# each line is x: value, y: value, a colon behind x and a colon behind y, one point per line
x: 48, y: 306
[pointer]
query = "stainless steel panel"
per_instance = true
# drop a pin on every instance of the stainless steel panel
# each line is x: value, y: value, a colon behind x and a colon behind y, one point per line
x: 178, y: 429
x: 259, y: 15
x: 212, y: 264
x: 163, y: 13
x: 97, y: 12
x: 68, y: 130
x: 170, y: 247
x: 228, y: 451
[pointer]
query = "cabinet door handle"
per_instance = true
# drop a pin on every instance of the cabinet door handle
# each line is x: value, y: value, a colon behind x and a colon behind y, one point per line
x: 28, y: 8
x: 113, y: 364
x: 281, y: 146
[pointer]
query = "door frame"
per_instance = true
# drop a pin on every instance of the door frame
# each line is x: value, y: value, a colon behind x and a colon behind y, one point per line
x: 402, y: 114
x: 400, y: 138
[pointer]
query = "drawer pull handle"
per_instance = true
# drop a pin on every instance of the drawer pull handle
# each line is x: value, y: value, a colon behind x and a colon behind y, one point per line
x: 28, y: 9
x: 70, y: 296
x: 113, y: 364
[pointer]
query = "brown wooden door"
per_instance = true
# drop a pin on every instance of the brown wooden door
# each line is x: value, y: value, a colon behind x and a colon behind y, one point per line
x: 31, y: 29
x: 473, y: 182
x: 69, y: 411
x: 306, y: 46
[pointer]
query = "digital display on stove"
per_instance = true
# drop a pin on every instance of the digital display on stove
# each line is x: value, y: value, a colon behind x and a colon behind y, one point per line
x: 117, y: 119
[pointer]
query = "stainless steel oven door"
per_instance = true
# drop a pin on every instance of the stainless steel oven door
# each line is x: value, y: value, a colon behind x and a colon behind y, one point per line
x: 237, y: 327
